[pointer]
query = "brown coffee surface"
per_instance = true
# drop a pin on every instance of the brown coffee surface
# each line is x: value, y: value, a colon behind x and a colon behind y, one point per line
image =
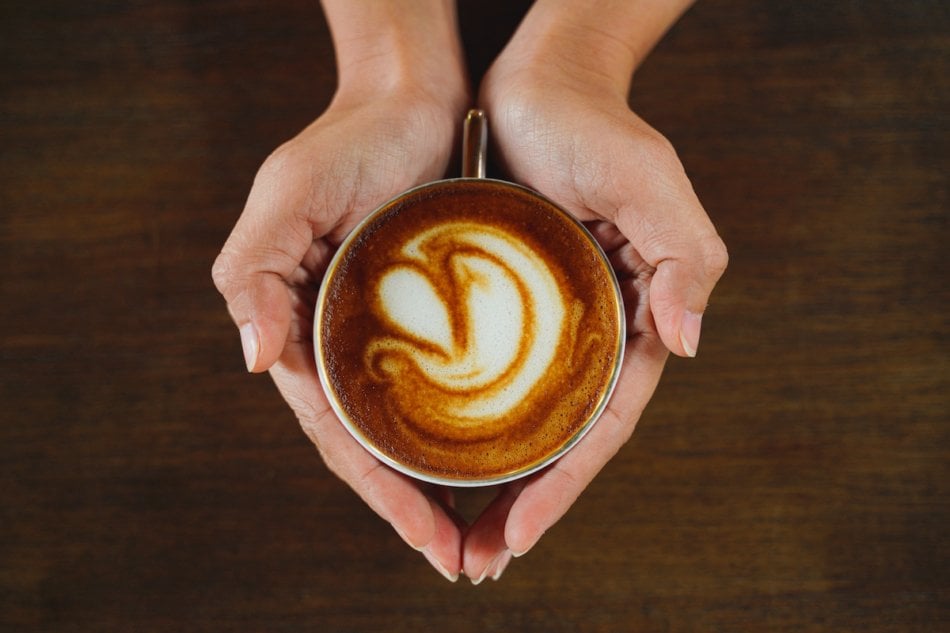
x: 469, y: 330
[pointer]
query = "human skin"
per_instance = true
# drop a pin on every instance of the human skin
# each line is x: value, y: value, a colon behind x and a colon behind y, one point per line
x: 556, y: 98
x: 392, y: 124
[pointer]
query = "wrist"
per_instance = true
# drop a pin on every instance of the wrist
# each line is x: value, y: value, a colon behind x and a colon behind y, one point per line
x: 408, y: 48
x: 593, y: 46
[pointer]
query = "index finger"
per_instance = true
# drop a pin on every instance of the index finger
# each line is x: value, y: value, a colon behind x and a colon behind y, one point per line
x: 547, y: 498
x: 420, y: 521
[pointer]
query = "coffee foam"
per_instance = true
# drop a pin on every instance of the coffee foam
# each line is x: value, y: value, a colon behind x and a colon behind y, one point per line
x: 478, y: 313
x: 469, y: 331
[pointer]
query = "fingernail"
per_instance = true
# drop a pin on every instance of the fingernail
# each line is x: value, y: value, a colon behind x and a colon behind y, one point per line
x: 519, y: 554
x: 488, y: 568
x: 689, y: 332
x: 402, y: 535
x: 502, y: 565
x: 250, y: 343
x: 438, y: 566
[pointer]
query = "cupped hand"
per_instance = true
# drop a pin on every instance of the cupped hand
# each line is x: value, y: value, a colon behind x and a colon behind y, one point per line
x: 572, y: 136
x: 305, y: 198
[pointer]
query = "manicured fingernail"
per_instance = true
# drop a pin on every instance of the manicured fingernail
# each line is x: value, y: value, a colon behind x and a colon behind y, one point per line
x: 520, y: 553
x: 438, y: 566
x: 502, y: 565
x: 490, y: 567
x: 251, y: 344
x: 689, y: 332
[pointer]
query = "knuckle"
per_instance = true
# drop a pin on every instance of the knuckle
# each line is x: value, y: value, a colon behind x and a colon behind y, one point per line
x: 280, y: 179
x: 715, y: 257
x: 221, y: 272
x: 657, y: 150
x: 281, y: 161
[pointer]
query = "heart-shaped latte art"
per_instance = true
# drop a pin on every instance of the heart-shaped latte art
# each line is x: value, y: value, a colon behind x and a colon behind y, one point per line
x: 469, y: 331
x: 475, y: 313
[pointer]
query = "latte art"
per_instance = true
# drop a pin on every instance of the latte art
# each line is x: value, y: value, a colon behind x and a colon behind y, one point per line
x: 468, y: 331
x: 476, y: 314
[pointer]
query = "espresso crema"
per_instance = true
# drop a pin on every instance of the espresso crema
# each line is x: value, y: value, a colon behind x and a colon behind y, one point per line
x: 468, y: 330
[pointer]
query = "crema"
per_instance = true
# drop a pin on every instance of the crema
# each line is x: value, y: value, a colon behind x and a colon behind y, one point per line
x: 469, y: 330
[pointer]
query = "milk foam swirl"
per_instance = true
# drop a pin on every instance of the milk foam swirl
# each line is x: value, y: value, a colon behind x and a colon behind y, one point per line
x: 474, y: 314
x: 468, y: 331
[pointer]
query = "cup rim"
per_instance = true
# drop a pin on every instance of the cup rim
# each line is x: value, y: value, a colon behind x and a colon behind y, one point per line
x: 492, y: 480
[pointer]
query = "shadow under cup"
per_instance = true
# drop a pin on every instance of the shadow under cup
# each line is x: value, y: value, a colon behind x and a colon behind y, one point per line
x: 469, y: 332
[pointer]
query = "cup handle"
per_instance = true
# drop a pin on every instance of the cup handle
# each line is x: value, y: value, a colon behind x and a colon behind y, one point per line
x: 474, y: 144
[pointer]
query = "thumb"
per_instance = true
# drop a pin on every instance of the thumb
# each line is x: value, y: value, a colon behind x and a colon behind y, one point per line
x: 260, y: 257
x: 260, y: 305
x: 680, y: 289
x: 669, y: 228
x: 660, y: 214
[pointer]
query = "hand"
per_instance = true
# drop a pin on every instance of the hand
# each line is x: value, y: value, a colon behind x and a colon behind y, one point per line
x: 566, y: 130
x: 391, y: 126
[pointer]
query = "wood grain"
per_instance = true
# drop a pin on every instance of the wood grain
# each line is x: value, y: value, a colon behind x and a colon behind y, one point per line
x: 793, y: 477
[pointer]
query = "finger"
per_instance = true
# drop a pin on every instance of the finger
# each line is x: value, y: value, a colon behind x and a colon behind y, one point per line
x: 423, y: 523
x: 444, y: 495
x: 266, y: 246
x: 546, y: 498
x: 485, y: 545
x: 606, y: 234
x: 393, y: 496
x: 444, y: 551
x: 658, y: 211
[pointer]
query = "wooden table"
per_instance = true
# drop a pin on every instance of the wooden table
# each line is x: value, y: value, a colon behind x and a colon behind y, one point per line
x: 794, y: 477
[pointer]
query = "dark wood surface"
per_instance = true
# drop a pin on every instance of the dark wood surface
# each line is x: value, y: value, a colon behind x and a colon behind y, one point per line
x: 794, y: 477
